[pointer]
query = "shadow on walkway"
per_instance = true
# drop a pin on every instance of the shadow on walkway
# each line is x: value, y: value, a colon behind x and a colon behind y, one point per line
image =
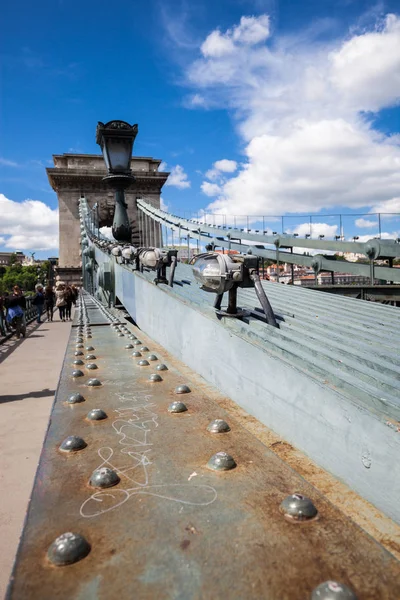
x: 8, y: 346
x: 38, y: 394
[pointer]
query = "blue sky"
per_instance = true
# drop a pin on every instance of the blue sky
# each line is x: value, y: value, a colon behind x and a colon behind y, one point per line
x: 206, y: 82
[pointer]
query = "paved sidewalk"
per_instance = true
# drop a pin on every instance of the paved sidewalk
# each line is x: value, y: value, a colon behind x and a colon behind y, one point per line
x: 29, y: 372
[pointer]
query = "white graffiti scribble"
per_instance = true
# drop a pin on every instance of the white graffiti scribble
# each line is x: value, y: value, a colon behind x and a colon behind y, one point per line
x: 134, y: 424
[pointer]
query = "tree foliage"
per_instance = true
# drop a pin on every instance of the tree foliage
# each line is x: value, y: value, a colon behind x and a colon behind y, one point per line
x: 24, y: 276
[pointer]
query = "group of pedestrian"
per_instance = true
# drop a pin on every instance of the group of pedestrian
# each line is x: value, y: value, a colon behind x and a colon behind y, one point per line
x: 46, y: 299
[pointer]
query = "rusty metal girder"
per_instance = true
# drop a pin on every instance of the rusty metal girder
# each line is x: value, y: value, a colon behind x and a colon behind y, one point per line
x: 172, y: 527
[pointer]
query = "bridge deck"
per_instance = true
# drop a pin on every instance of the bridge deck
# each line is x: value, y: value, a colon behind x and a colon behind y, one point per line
x: 29, y: 372
x: 171, y: 527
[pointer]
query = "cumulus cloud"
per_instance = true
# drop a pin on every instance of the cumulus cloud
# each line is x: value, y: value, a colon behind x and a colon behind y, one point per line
x: 305, y: 112
x: 365, y: 223
x: 28, y: 225
x: 316, y: 230
x: 210, y: 189
x: 178, y: 178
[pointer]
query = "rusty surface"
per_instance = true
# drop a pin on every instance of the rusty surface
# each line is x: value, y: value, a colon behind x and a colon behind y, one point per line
x: 172, y: 528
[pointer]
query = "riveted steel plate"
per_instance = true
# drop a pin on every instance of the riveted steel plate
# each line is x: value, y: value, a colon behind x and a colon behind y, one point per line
x: 172, y: 528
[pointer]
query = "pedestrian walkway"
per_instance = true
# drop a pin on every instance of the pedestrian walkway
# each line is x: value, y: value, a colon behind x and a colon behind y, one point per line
x: 29, y: 372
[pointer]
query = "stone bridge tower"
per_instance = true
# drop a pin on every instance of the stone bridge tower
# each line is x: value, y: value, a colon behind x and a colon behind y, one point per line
x: 80, y: 175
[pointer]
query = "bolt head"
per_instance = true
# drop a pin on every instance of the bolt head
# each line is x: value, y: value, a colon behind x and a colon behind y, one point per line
x: 104, y: 478
x: 218, y: 426
x: 132, y: 337
x: 96, y: 414
x: 155, y: 377
x: 93, y: 383
x: 221, y: 461
x: 298, y: 508
x: 162, y: 367
x: 136, y: 354
x: 67, y: 549
x: 90, y: 357
x: 77, y: 373
x: 72, y: 443
x: 128, y: 346
x: 75, y: 398
x: 143, y: 363
x: 91, y: 366
x: 144, y: 349
x: 137, y: 343
x: 121, y: 335
x: 79, y: 346
x: 152, y: 357
x: 79, y: 340
x: 78, y: 361
x: 332, y: 590
x: 182, y: 389
x: 89, y: 348
x: 177, y: 407
x: 78, y: 353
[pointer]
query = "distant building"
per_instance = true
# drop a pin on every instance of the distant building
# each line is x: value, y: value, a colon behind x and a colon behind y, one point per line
x: 5, y: 258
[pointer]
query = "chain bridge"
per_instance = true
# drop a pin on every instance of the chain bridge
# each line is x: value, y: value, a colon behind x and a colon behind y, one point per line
x: 167, y: 469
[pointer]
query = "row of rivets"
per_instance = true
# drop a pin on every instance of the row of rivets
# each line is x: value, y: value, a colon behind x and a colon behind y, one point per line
x: 69, y: 547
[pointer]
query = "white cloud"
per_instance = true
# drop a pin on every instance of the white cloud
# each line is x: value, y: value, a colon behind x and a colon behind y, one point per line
x: 250, y: 31
x: 210, y: 189
x: 225, y: 165
x: 28, y: 225
x: 317, y: 229
x: 387, y: 206
x: 366, y: 69
x: 298, y: 104
x: 8, y: 163
x: 107, y: 232
x: 163, y: 166
x: 178, y: 178
x: 365, y: 223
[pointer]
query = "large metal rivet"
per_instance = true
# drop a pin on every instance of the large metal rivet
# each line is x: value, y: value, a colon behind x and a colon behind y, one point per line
x: 90, y: 357
x: 96, y: 414
x: 177, y: 407
x: 79, y: 340
x: 104, y: 478
x: 91, y: 366
x: 89, y: 348
x: 182, y: 389
x: 152, y: 357
x: 67, y: 549
x: 93, y: 382
x: 144, y: 349
x: 72, y: 443
x: 121, y: 335
x: 79, y: 346
x: 132, y: 337
x: 78, y: 353
x: 78, y: 361
x: 162, y: 367
x: 143, y: 363
x: 332, y: 590
x: 77, y: 373
x: 89, y: 335
x: 136, y: 354
x: 137, y: 342
x: 155, y: 377
x: 128, y: 346
x: 75, y: 398
x: 221, y: 462
x: 218, y: 426
x: 298, y: 508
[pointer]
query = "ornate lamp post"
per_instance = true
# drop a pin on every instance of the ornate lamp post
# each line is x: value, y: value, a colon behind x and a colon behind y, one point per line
x: 116, y: 140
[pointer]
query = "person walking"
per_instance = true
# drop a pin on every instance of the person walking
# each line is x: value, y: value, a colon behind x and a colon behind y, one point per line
x: 69, y: 298
x: 38, y: 300
x: 61, y: 302
x: 2, y: 317
x: 49, y: 300
x: 16, y: 306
